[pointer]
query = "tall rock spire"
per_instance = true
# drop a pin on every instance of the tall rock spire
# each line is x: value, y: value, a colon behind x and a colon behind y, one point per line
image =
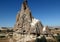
x: 25, y: 1
x: 24, y: 5
x: 23, y: 18
x: 25, y: 23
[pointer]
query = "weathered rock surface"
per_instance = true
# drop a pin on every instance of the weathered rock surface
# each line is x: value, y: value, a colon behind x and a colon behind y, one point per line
x: 26, y: 24
x: 46, y: 30
x: 23, y: 19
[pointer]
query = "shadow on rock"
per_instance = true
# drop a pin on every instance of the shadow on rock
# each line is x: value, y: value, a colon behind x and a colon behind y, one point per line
x: 42, y: 39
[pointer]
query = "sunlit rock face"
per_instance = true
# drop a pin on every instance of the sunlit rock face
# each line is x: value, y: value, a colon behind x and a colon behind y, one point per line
x: 36, y: 26
x: 26, y: 24
x: 23, y: 18
x: 45, y: 30
x: 34, y: 21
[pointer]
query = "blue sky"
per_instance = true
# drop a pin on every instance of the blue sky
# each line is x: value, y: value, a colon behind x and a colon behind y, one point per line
x: 47, y: 11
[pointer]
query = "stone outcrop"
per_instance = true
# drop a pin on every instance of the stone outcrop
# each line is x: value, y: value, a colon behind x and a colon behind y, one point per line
x: 26, y: 24
x: 46, y: 30
x: 23, y: 19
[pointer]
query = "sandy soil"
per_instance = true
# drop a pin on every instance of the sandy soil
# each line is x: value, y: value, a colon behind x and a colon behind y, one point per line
x: 7, y: 40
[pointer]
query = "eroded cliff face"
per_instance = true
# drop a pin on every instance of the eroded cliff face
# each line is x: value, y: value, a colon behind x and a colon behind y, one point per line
x: 25, y: 23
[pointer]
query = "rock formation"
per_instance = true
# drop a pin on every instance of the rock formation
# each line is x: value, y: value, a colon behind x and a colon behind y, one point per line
x: 26, y: 23
x: 45, y: 30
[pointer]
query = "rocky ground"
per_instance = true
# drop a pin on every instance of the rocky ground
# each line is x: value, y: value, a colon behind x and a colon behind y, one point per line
x: 7, y: 40
x: 30, y: 38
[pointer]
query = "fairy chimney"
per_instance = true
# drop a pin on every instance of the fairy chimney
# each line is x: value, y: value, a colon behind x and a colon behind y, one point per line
x: 25, y: 22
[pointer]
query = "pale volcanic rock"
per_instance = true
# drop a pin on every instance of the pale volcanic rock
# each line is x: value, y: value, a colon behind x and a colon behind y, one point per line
x: 46, y: 30
x: 26, y: 24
